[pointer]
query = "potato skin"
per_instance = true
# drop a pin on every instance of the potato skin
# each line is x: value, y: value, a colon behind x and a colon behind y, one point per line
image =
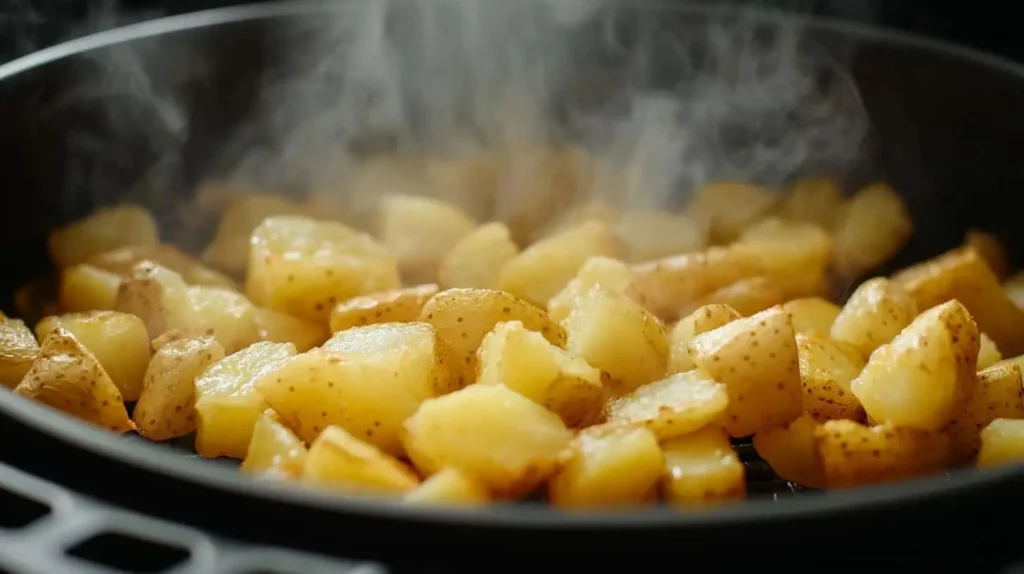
x: 998, y: 394
x: 707, y: 318
x: 827, y: 368
x: 855, y: 455
x: 678, y: 405
x: 393, y: 306
x: 18, y: 350
x: 1002, y: 443
x: 876, y: 312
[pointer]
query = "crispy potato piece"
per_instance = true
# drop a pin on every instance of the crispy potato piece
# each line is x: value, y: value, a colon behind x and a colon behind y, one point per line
x: 812, y: 315
x: 158, y: 296
x: 1002, y: 443
x: 304, y: 267
x: 229, y: 249
x: 747, y: 296
x: 121, y: 261
x: 37, y: 299
x: 678, y: 405
x: 988, y: 353
x: 506, y: 441
x: 420, y: 231
x: 616, y: 335
x: 609, y: 467
x: 795, y: 255
x: 827, y: 368
x: 18, y: 349
x: 707, y: 318
x: 876, y: 312
x: 274, y: 449
x: 609, y: 273
x: 527, y: 363
x: 991, y: 250
x: 450, y: 486
x: 791, y: 452
x: 477, y: 259
x: 394, y: 306
x: 650, y: 235
x: 756, y: 359
x: 67, y: 377
x: 963, y: 275
x: 227, y: 401
x: 852, y: 454
x: 103, y: 230
x: 166, y: 406
x: 229, y: 315
x: 543, y: 269
x: 336, y: 459
x: 730, y: 207
x: 463, y: 317
x: 119, y: 341
x: 278, y: 327
x: 701, y: 469
x: 998, y: 394
x: 922, y: 377
x: 1014, y: 288
x: 817, y: 200
x: 87, y: 288
x: 874, y: 226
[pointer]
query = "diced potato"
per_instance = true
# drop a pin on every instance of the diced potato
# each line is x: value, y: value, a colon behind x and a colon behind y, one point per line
x: 963, y: 275
x: 87, y: 288
x: 159, y: 297
x: 463, y: 317
x: 991, y: 249
x: 470, y: 181
x: 543, y: 269
x: 812, y: 315
x: 874, y: 226
x: 817, y: 200
x: 278, y: 327
x: 855, y: 455
x: 119, y: 341
x: 166, y: 406
x: 18, y: 349
x: 746, y: 296
x: 394, y: 306
x: 355, y: 198
x: 795, y: 255
x: 527, y: 363
x: 229, y: 250
x: 274, y: 449
x: 876, y: 312
x: 230, y: 316
x: 730, y: 207
x: 506, y: 441
x: 449, y: 487
x: 678, y: 405
x: 756, y: 359
x: 609, y: 273
x: 477, y: 259
x: 998, y: 394
x: 701, y: 469
x: 707, y: 318
x: 124, y: 259
x: 420, y: 231
x: 791, y: 452
x: 827, y: 368
x: 922, y: 377
x: 1002, y: 443
x: 338, y: 460
x: 616, y: 335
x: 650, y: 235
x: 103, y: 230
x: 1014, y: 288
x: 37, y: 299
x: 304, y: 267
x: 367, y: 380
x: 227, y: 401
x: 590, y: 210
x: 67, y: 377
x: 988, y: 353
x: 609, y: 467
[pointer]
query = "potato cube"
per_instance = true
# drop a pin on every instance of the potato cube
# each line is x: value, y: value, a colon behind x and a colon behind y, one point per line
x: 229, y: 315
x: 420, y: 231
x: 826, y: 370
x: 274, y: 449
x: 791, y: 451
x: 1014, y: 288
x: 229, y: 250
x: 278, y: 327
x: 506, y: 441
x: 159, y: 297
x: 817, y: 200
x: 103, y: 230
x: 609, y: 467
x: 611, y: 274
x: 812, y: 315
x: 756, y: 359
x: 393, y: 306
x: 707, y: 318
x: 988, y: 353
x: 1002, y: 443
x: 338, y: 460
x: 729, y: 208
x: 876, y: 312
x: 795, y: 255
x: 477, y: 259
x: 746, y: 296
x: 37, y: 299
x: 701, y: 469
x: 922, y: 377
x: 18, y: 349
x: 678, y: 405
x: 450, y: 486
x: 87, y: 288
x: 124, y: 259
x: 855, y: 455
x: 575, y: 215
x: 874, y: 226
x: 991, y: 250
x: 997, y: 395
x: 649, y: 235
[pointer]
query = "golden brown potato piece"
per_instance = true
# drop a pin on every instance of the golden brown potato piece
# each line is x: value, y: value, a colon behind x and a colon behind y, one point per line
x: 852, y: 454
x: 730, y: 207
x: 756, y: 359
x: 506, y: 441
x: 874, y: 226
x: 420, y: 231
x: 274, y: 449
x: 304, y: 267
x: 527, y: 363
x: 707, y: 318
x: 613, y: 333
x: 963, y: 275
x: 229, y: 315
x: 794, y: 255
x: 922, y: 377
x: 37, y: 299
x: 701, y: 469
x: 812, y: 315
x: 463, y: 317
x: 817, y: 200
x: 997, y: 395
x: 278, y: 327
x: 449, y: 487
x: 119, y: 341
x: 227, y: 401
x: 394, y: 306
x: 611, y: 274
x: 477, y: 259
x: 791, y: 452
x: 1014, y: 288
x: 543, y: 269
x: 747, y: 296
x: 166, y: 407
x: 827, y: 368
x: 991, y: 249
x: 18, y: 349
x: 649, y: 235
x: 589, y: 210
x: 103, y: 230
x: 67, y: 377
x: 988, y: 353
x: 678, y: 405
x: 1002, y: 443
x: 338, y: 460
x: 121, y: 261
x: 609, y: 467
x: 87, y: 288
x: 159, y: 297
x: 876, y: 312
x: 229, y: 250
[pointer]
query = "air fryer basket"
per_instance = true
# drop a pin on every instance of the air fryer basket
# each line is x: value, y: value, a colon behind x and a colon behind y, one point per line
x: 947, y: 132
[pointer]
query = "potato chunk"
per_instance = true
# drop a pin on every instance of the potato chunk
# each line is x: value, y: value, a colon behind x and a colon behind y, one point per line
x: 794, y: 255
x: 616, y: 335
x: 988, y: 353
x: 1014, y: 288
x: 609, y: 467
x: 826, y: 370
x: 991, y: 249
x: 707, y: 318
x: 67, y: 377
x: 730, y: 207
x: 922, y: 377
x: 274, y: 449
x: 701, y: 469
x: 876, y: 312
x: 506, y: 441
x: 855, y: 455
x: 394, y: 306
x: 678, y: 405
x: 338, y: 460
x: 37, y: 299
x: 227, y: 401
x: 103, y: 230
x: 119, y: 341
x: 420, y: 231
x: 650, y: 235
x: 229, y: 249
x: 817, y: 200
x: 756, y: 359
x: 611, y: 274
x: 874, y: 226
x: 124, y: 259
x: 812, y: 315
x: 746, y: 296
x: 87, y: 288
x: 477, y: 259
x: 450, y: 486
x: 791, y: 452
x: 159, y: 297
x: 1002, y: 443
x: 527, y: 363
x: 997, y: 395
x: 18, y: 349
x: 278, y: 327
